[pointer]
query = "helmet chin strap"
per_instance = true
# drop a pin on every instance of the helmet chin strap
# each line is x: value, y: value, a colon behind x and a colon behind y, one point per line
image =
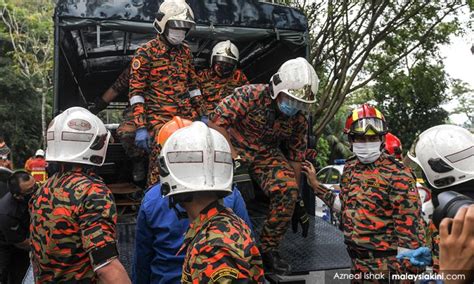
x: 173, y: 202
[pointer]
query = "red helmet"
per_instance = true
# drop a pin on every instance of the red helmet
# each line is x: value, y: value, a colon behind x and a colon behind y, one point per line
x: 393, y: 146
x: 365, y: 120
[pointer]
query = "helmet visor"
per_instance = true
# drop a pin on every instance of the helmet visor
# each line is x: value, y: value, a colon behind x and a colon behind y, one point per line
x: 294, y: 103
x: 304, y: 94
x: 369, y: 126
x: 181, y: 24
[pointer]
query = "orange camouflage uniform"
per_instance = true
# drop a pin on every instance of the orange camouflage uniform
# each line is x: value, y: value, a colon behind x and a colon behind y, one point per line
x: 381, y: 212
x: 220, y: 249
x: 73, y: 214
x: 214, y: 88
x: 258, y: 131
x: 162, y: 76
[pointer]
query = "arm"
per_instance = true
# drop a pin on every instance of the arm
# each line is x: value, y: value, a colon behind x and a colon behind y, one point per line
x: 230, y: 110
x: 97, y: 216
x: 143, y: 248
x: 195, y: 94
x: 224, y: 132
x: 297, y: 145
x: 320, y: 190
x: 138, y: 86
x: 113, y: 273
x: 406, y: 214
x: 457, y: 245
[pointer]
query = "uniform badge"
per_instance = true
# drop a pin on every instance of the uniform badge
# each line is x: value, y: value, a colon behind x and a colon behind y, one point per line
x: 226, y: 272
x: 136, y: 64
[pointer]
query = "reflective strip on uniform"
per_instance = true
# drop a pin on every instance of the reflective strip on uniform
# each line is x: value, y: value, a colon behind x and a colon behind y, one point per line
x: 378, y: 114
x: 195, y: 93
x: 137, y: 100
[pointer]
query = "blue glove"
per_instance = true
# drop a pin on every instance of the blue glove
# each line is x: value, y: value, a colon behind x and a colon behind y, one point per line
x: 142, y: 139
x: 418, y: 257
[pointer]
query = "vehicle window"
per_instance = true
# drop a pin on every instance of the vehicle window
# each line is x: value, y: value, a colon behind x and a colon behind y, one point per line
x: 334, y: 177
x: 323, y: 175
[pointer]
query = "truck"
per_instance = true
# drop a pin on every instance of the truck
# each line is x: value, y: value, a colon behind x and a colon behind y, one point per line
x: 96, y: 40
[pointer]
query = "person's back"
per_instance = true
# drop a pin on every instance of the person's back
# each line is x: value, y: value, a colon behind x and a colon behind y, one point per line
x: 65, y: 225
x: 36, y: 166
x: 214, y: 239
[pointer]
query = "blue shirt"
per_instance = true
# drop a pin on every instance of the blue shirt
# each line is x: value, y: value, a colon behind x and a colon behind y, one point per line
x: 160, y: 234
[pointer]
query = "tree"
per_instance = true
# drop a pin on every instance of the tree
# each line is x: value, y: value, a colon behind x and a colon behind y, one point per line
x: 411, y: 100
x: 346, y: 36
x: 29, y: 28
x: 335, y: 136
x: 20, y: 115
x: 465, y: 96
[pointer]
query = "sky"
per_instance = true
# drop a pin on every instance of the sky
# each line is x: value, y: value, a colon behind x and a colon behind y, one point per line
x: 459, y: 64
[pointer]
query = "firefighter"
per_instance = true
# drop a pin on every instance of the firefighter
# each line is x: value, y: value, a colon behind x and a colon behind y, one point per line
x: 445, y: 155
x: 196, y: 172
x: 126, y: 130
x: 14, y: 222
x: 379, y: 201
x: 222, y: 77
x: 267, y: 128
x: 36, y: 166
x: 393, y: 146
x: 73, y: 216
x: 160, y: 229
x: 163, y: 82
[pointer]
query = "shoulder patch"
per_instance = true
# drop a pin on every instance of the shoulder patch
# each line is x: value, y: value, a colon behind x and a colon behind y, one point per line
x: 136, y: 64
x: 226, y: 272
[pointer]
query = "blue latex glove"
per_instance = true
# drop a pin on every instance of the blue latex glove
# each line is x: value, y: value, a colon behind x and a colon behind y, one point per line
x: 142, y: 139
x: 418, y: 257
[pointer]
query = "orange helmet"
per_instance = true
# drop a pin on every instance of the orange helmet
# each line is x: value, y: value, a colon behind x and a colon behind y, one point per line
x: 393, y: 146
x: 170, y: 127
x: 365, y: 120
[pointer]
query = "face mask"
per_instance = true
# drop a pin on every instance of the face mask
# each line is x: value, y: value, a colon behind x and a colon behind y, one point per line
x: 286, y: 109
x: 223, y: 70
x: 367, y: 152
x: 175, y: 36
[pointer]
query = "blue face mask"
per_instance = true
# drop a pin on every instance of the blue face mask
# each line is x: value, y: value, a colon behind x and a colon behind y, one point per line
x: 286, y: 109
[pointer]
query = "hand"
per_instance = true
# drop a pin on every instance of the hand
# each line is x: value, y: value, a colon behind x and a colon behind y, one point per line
x: 300, y: 216
x: 457, y: 243
x: 418, y: 257
x: 308, y: 169
x: 142, y: 139
x: 98, y: 105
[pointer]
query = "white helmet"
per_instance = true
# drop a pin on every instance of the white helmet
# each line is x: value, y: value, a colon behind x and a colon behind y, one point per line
x: 225, y: 51
x: 39, y: 152
x: 175, y: 13
x: 297, y: 79
x: 196, y: 158
x: 445, y: 153
x: 77, y: 136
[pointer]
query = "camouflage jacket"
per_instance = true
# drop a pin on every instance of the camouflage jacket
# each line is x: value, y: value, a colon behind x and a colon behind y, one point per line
x: 220, y: 248
x: 256, y: 125
x: 73, y: 214
x: 214, y: 88
x: 162, y: 76
x: 381, y: 208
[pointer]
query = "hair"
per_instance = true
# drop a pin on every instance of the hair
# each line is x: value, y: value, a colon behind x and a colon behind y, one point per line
x: 14, y: 181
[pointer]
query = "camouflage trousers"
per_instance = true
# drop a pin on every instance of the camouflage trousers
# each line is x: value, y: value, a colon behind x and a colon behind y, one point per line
x: 126, y: 132
x: 378, y: 270
x: 276, y: 178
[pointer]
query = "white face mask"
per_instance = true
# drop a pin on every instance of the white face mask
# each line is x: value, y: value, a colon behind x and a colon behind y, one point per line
x: 175, y: 36
x: 367, y: 152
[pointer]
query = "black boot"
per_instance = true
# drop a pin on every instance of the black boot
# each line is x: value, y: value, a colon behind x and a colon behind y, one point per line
x: 273, y: 263
x: 138, y: 172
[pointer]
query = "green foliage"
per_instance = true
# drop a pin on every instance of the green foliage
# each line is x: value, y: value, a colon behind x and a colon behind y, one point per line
x: 20, y: 115
x: 335, y: 137
x: 411, y: 101
x: 323, y: 152
x: 465, y: 96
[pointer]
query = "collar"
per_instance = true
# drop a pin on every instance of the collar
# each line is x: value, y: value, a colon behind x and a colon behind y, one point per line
x: 202, y: 220
x: 76, y: 168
